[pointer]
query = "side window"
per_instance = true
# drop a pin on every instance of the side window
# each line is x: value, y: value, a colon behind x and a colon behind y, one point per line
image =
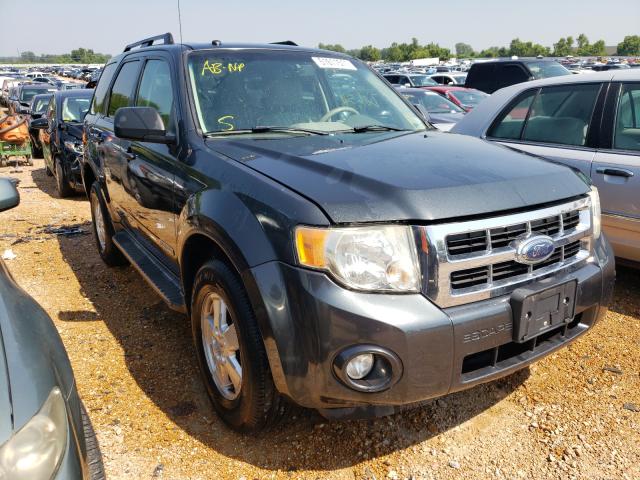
x: 100, y: 94
x: 510, y: 124
x: 51, y: 109
x: 510, y: 75
x: 156, y: 90
x: 392, y: 79
x: 124, y: 87
x: 627, y: 129
x: 562, y: 115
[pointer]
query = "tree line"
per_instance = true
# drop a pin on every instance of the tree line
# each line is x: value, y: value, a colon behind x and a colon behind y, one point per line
x: 77, y: 56
x: 403, y: 52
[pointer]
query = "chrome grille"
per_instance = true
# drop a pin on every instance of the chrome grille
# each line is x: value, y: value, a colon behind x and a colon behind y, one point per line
x: 474, y: 260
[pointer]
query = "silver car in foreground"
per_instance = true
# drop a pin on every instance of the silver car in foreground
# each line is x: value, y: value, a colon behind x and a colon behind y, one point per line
x: 589, y: 122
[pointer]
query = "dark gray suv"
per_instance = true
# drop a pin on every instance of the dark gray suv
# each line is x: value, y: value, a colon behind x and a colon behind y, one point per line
x: 329, y: 246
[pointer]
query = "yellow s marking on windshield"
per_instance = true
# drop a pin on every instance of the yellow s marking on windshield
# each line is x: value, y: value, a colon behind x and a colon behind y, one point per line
x: 217, y: 68
x: 227, y: 127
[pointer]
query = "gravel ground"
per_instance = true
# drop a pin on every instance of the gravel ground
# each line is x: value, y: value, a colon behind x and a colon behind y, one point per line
x: 575, y: 414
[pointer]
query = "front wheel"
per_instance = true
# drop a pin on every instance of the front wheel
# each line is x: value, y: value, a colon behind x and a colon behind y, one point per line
x: 230, y: 352
x: 62, y: 183
x: 103, y: 230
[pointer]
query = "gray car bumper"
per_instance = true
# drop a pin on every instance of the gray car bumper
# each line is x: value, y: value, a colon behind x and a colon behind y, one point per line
x: 307, y: 320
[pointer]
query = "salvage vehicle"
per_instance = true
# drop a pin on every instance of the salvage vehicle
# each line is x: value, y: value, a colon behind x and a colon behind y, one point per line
x: 409, y: 79
x: 24, y: 93
x: 450, y: 78
x: 589, y: 122
x: 45, y: 432
x: 443, y: 113
x: 496, y: 74
x: 333, y: 251
x: 465, y: 98
x: 61, y: 137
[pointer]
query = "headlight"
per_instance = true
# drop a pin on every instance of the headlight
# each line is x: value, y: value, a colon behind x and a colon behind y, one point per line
x: 34, y: 452
x: 379, y: 258
x: 74, y: 147
x: 595, y: 212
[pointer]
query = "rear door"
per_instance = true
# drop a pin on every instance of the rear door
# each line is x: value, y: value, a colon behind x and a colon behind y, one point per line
x: 116, y: 152
x: 616, y: 169
x: 559, y: 123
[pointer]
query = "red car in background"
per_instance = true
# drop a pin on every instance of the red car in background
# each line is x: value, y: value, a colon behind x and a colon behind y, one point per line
x: 466, y: 98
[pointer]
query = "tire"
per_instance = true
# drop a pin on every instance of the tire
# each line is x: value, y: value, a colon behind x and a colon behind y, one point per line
x: 257, y: 404
x: 62, y: 183
x: 94, y: 456
x: 108, y: 251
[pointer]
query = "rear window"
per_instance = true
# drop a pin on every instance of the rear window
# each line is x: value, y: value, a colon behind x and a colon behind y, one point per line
x: 100, y: 93
x: 547, y: 69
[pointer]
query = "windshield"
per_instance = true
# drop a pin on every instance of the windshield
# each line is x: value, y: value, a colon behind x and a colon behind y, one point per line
x: 40, y: 104
x: 243, y: 90
x: 469, y: 98
x: 423, y: 81
x: 434, y: 103
x: 28, y: 93
x: 547, y: 69
x: 74, y: 109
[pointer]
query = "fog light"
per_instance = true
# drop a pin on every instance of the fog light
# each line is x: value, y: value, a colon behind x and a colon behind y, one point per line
x: 360, y: 366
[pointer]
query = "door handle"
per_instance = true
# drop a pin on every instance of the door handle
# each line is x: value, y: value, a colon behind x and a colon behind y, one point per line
x: 129, y: 155
x: 618, y: 172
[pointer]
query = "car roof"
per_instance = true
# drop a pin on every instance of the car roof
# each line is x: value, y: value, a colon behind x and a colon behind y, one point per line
x: 415, y: 90
x: 37, y: 86
x: 446, y: 88
x: 519, y: 59
x: 77, y: 92
x: 177, y: 47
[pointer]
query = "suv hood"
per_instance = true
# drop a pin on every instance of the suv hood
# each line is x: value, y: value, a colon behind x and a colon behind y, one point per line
x: 391, y: 176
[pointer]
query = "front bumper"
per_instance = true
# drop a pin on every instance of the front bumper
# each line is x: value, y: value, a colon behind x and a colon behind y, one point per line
x: 307, y: 320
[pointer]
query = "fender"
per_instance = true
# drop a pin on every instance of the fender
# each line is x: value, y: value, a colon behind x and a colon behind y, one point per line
x: 223, y: 219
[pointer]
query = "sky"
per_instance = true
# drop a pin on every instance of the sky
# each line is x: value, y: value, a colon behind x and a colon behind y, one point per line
x: 58, y: 26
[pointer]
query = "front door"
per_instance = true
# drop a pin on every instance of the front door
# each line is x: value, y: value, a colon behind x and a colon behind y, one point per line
x: 150, y: 170
x: 616, y: 173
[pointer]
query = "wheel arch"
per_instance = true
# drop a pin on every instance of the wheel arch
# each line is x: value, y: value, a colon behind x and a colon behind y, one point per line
x: 201, y: 246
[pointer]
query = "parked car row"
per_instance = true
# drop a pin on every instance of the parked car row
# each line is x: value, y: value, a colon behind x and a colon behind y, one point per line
x: 294, y: 205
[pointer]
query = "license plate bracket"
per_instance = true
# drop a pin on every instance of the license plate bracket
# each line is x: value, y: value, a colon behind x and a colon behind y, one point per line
x: 536, y: 311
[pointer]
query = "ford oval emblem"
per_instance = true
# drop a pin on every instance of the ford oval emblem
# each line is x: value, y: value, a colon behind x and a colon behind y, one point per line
x: 535, y: 249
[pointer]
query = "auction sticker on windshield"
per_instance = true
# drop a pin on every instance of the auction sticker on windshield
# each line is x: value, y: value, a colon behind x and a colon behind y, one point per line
x: 336, y: 63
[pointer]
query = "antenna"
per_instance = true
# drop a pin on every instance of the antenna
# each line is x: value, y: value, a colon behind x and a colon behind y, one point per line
x: 180, y: 22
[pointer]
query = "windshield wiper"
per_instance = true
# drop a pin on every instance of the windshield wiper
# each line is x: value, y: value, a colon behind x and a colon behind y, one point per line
x: 266, y: 129
x: 377, y: 128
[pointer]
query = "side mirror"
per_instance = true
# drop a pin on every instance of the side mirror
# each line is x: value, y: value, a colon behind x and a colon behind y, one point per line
x: 408, y: 85
x: 39, y: 124
x: 141, y: 123
x: 9, y: 196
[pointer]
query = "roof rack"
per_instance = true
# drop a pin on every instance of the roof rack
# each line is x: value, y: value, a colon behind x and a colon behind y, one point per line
x: 167, y: 39
x: 285, y: 42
